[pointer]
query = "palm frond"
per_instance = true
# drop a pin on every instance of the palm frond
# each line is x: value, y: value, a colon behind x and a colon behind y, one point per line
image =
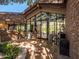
x: 29, y: 2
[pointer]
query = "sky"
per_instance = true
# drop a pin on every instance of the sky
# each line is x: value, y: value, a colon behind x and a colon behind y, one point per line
x: 15, y: 7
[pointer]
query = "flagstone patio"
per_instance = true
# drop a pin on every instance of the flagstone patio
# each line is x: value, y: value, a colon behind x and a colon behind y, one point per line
x: 35, y: 49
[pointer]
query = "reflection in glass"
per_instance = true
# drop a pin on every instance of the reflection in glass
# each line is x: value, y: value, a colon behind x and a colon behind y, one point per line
x: 46, y: 23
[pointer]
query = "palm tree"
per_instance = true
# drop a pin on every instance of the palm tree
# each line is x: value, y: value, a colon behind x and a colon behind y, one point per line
x: 29, y: 2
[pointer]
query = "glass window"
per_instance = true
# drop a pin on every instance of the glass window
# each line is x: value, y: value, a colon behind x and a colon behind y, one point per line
x: 44, y: 29
x: 28, y: 26
x: 22, y: 27
x: 60, y: 22
x: 38, y: 28
x: 51, y: 26
x: 38, y: 17
x: 52, y: 23
x: 44, y: 25
x: 56, y: 23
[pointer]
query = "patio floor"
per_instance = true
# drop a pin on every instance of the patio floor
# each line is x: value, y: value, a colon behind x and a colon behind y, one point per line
x: 37, y: 49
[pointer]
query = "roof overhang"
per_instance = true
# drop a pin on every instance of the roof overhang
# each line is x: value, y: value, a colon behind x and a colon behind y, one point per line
x: 46, y: 7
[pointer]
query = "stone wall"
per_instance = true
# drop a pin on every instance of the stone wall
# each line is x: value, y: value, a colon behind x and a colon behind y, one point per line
x: 72, y: 29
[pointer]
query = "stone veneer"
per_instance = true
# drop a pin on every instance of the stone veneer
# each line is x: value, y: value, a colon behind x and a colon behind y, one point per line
x: 72, y: 27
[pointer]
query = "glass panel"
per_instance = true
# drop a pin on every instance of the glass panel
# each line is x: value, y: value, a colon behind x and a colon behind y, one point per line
x: 44, y: 29
x: 38, y: 20
x: 44, y: 16
x: 60, y: 22
x: 51, y: 27
x: 44, y: 25
x: 18, y: 27
x: 22, y: 27
x: 38, y: 29
x: 28, y: 26
x: 56, y: 23
x: 52, y: 24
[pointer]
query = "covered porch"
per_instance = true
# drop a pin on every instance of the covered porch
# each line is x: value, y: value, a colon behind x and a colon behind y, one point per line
x: 42, y: 19
x: 36, y: 25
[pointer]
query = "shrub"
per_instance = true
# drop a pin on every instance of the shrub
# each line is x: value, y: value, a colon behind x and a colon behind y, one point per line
x: 9, y: 50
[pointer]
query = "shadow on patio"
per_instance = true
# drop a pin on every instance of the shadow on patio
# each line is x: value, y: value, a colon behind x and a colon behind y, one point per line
x: 38, y: 49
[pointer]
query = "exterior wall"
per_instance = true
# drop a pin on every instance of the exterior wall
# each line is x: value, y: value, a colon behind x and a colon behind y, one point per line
x: 72, y: 23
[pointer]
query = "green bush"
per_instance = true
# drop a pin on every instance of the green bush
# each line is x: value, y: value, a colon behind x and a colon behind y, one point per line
x: 9, y: 50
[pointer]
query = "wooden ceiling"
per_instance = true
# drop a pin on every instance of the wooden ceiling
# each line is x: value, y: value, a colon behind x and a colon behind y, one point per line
x: 51, y: 1
x: 45, y: 7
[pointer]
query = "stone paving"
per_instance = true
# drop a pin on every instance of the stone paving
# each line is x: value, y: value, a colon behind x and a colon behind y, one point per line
x: 36, y: 49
